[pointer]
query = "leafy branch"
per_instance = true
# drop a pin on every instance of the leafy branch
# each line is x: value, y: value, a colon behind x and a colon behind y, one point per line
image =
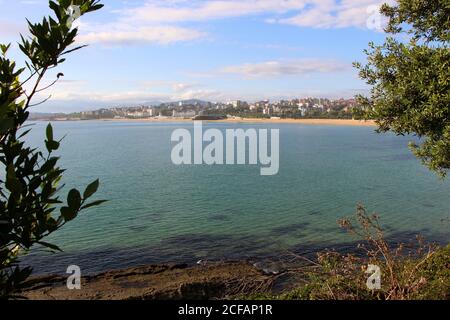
x: 29, y: 187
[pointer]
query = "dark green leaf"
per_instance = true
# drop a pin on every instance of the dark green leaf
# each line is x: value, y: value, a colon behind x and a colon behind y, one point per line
x: 91, y: 189
x: 68, y: 214
x: 50, y: 246
x: 52, y: 145
x: 49, y: 132
x: 74, y: 199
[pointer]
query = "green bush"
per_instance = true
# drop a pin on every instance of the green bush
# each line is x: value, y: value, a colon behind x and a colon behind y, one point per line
x: 409, y: 77
x: 29, y: 186
x: 419, y: 272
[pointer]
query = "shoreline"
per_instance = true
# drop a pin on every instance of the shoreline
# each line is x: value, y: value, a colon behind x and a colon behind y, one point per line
x: 333, y: 122
x: 157, y: 282
x: 204, y: 280
x: 313, y: 122
x: 240, y: 280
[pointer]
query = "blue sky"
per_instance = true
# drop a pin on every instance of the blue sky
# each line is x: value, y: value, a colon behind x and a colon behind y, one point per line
x: 166, y: 50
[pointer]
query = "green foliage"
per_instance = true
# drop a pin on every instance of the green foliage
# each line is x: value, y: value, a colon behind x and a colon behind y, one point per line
x: 408, y: 272
x: 29, y: 187
x: 436, y: 271
x: 432, y: 281
x: 410, y: 80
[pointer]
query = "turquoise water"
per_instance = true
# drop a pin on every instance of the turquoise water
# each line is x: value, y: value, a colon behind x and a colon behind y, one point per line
x: 159, y: 212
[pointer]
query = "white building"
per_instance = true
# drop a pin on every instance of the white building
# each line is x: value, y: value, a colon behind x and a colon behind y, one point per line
x: 266, y: 111
x: 303, y: 111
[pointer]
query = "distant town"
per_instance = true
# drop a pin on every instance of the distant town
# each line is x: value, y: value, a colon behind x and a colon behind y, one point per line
x: 198, y: 109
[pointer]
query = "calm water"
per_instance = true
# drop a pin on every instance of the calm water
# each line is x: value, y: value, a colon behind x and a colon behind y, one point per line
x: 159, y: 212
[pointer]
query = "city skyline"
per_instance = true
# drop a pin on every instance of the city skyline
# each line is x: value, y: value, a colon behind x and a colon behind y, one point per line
x: 294, y: 108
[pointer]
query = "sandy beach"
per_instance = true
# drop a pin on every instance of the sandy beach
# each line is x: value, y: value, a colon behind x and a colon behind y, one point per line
x: 333, y: 122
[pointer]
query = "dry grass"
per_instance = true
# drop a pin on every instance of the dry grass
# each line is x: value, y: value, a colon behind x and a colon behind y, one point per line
x: 408, y: 272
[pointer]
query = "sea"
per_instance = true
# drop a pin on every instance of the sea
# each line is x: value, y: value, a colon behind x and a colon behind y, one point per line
x: 158, y: 212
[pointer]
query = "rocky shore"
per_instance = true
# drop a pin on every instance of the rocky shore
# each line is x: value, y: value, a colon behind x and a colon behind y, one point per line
x: 204, y: 281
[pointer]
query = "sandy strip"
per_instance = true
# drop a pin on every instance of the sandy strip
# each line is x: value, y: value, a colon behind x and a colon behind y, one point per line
x: 333, y: 122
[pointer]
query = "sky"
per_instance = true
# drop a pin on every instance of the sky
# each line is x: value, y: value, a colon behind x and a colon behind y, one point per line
x: 145, y: 51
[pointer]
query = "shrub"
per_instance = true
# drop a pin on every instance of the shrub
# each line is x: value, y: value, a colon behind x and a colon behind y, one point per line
x: 29, y: 186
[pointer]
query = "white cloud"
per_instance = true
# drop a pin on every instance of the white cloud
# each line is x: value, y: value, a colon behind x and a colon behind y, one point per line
x: 182, y: 87
x: 303, y: 13
x: 327, y: 14
x: 168, y: 85
x: 76, y: 95
x: 73, y: 95
x: 133, y: 35
x: 158, y: 21
x: 271, y: 69
x: 179, y: 11
x: 202, y: 94
x: 116, y: 97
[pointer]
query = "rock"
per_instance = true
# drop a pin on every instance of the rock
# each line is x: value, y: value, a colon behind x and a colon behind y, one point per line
x: 162, y: 282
